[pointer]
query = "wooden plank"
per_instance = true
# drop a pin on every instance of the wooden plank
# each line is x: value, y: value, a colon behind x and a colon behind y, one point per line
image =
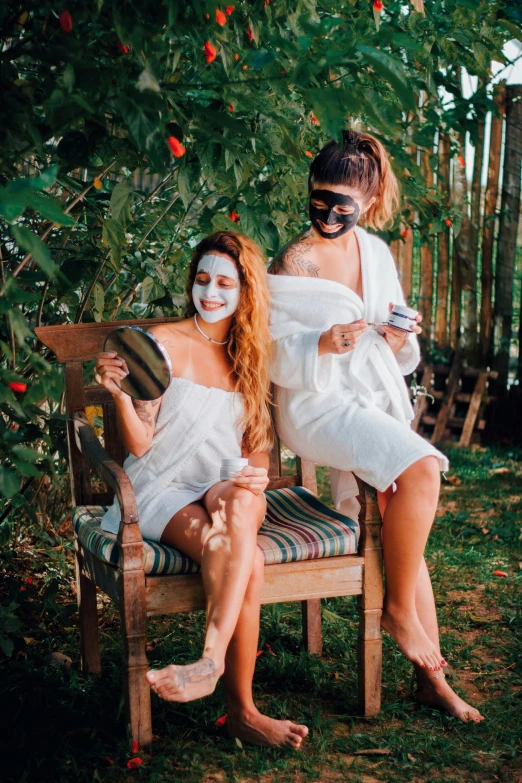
x: 81, y: 342
x: 87, y: 617
x: 473, y: 410
x: 451, y: 390
x: 306, y: 476
x: 324, y: 578
x: 422, y: 404
x: 455, y: 423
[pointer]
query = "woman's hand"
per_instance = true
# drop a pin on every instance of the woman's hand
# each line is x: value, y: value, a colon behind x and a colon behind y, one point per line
x: 252, y: 478
x: 342, y: 338
x: 109, y: 371
x: 396, y: 338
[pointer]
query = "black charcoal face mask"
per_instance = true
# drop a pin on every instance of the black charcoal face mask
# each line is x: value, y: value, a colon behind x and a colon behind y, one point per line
x: 328, y: 216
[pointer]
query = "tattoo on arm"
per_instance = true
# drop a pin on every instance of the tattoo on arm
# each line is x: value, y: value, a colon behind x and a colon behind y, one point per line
x: 145, y: 413
x: 293, y: 261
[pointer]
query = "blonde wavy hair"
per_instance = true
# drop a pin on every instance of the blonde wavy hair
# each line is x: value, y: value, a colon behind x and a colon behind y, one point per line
x: 362, y: 163
x: 249, y: 345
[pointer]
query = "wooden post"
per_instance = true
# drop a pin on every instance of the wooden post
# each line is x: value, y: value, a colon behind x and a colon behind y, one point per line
x: 426, y: 270
x: 441, y: 316
x: 474, y: 408
x: 88, y: 619
x: 405, y: 261
x: 312, y: 632
x: 447, y: 401
x: 486, y: 305
x: 369, y: 646
x: 507, y: 235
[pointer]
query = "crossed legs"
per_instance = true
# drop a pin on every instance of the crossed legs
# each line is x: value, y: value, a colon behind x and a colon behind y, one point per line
x: 409, y: 608
x: 220, y: 533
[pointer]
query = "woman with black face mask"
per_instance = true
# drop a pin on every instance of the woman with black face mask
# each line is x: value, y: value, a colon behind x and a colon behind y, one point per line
x: 341, y: 398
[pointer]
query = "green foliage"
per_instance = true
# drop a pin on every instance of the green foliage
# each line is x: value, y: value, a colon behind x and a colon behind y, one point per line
x: 98, y: 216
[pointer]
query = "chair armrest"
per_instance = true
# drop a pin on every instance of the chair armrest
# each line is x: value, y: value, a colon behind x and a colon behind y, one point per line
x: 129, y: 536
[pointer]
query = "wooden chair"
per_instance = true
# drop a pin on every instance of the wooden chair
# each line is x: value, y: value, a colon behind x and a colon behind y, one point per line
x: 139, y: 595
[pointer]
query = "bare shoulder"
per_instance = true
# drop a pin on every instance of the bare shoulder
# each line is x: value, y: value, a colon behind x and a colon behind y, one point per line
x: 297, y: 258
x: 171, y: 334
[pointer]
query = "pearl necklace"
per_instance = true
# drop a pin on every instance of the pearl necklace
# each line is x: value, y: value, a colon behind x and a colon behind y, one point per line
x: 200, y: 330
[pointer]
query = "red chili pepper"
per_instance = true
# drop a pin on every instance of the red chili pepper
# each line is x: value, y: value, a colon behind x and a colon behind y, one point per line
x: 308, y: 154
x: 448, y: 222
x: 250, y: 34
x: 18, y: 387
x: 210, y: 52
x: 134, y: 746
x: 229, y: 10
x: 221, y: 19
x: 177, y: 148
x: 377, y: 5
x: 234, y: 216
x: 66, y: 21
x: 124, y: 48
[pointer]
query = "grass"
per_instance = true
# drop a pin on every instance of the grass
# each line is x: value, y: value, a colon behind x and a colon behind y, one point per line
x: 59, y: 726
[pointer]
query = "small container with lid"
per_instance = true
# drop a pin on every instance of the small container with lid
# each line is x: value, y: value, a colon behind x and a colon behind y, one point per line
x: 231, y: 466
x: 402, y: 317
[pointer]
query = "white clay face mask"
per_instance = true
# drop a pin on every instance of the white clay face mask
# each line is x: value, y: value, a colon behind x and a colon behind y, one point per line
x: 212, y: 301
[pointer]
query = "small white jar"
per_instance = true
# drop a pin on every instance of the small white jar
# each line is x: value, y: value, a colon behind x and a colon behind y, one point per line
x: 231, y: 466
x: 402, y: 317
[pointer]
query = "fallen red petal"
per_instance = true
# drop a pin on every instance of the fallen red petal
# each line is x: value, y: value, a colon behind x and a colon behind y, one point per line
x: 133, y: 763
x: 134, y: 747
x: 66, y: 22
x: 500, y: 573
x: 221, y: 721
x: 17, y: 386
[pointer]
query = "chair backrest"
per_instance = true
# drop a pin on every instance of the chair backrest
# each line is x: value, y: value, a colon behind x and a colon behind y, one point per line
x: 74, y: 344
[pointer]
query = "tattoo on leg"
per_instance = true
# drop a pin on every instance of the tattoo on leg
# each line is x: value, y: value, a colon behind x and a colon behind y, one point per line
x: 197, y: 672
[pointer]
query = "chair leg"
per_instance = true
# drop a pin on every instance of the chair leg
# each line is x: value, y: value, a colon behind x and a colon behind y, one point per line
x: 312, y: 634
x: 369, y: 647
x: 136, y: 689
x: 88, y: 620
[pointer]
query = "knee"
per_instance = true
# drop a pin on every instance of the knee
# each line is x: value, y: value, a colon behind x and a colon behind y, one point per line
x: 244, y: 509
x: 423, y: 475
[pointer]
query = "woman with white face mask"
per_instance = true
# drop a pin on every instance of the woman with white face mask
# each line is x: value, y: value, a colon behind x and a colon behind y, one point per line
x: 217, y: 406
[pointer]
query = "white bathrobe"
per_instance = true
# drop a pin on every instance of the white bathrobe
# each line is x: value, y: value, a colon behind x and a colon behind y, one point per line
x: 351, y: 412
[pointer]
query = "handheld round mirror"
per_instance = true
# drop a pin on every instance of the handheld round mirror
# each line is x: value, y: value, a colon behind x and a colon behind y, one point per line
x: 147, y: 361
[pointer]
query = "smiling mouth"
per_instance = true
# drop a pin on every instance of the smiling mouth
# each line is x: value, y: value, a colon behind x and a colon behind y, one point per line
x: 206, y: 305
x: 330, y: 229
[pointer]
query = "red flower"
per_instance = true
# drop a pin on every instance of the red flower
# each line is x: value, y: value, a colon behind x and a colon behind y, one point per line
x: 315, y: 120
x: 221, y: 19
x: 124, y: 49
x: 377, y: 5
x: 23, y: 589
x: 133, y: 763
x: 267, y: 2
x: 221, y: 721
x: 258, y: 653
x: 404, y: 233
x: 448, y: 222
x: 134, y: 746
x: 500, y: 573
x: 230, y: 107
x: 210, y: 52
x: 284, y: 73
x: 234, y: 216
x: 462, y: 161
x: 66, y: 21
x: 236, y: 57
x: 29, y: 581
x: 308, y: 154
x: 250, y: 34
x: 177, y: 148
x: 18, y: 387
x: 229, y: 10
x: 108, y: 761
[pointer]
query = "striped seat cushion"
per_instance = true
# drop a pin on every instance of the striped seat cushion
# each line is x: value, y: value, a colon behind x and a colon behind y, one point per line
x: 297, y: 526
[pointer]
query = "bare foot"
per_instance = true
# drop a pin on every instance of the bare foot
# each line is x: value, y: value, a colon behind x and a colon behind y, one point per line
x: 258, y: 729
x: 412, y: 639
x: 438, y: 693
x: 185, y: 683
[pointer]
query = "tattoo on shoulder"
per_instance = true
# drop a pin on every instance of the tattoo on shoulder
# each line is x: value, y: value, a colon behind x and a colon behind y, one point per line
x: 292, y: 260
x: 145, y: 412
